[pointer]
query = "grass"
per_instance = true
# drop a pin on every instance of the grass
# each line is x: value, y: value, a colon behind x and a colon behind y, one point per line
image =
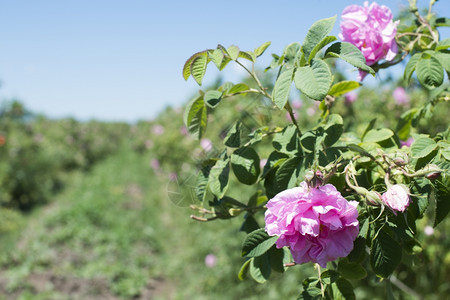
x: 115, y: 233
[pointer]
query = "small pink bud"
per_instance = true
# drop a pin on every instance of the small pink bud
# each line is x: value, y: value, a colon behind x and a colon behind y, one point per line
x: 428, y: 230
x: 397, y: 197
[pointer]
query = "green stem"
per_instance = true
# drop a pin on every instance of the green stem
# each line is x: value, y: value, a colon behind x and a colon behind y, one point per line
x: 253, y: 75
x: 291, y: 114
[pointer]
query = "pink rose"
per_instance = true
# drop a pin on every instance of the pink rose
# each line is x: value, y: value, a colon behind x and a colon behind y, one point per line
x: 318, y: 224
x: 350, y: 98
x: 396, y: 198
x: 371, y: 30
x: 158, y: 129
x: 297, y: 104
x: 210, y: 260
x: 206, y: 144
x: 407, y: 143
x: 400, y: 96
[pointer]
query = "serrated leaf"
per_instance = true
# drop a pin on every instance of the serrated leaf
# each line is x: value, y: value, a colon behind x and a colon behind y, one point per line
x: 212, y: 98
x: 325, y: 41
x: 202, y: 179
x: 248, y: 55
x: 233, y: 138
x: 237, y: 88
x: 233, y: 51
x: 404, y: 124
x: 411, y: 66
x: 444, y: 59
x: 282, y: 87
x: 316, y: 33
x: 277, y: 259
x: 195, y: 117
x: 385, y: 254
x: 287, y: 141
x: 343, y: 87
x: 285, y: 172
x: 343, y: 290
x: 260, y: 268
x: 218, y: 178
x: 442, y: 22
x: 188, y: 63
x: 315, y: 80
x: 198, y: 67
x: 429, y: 72
x: 245, y: 164
x: 443, y: 45
x: 290, y: 53
x: 423, y: 146
x: 257, y: 243
x: 260, y: 50
x: 350, y: 54
x: 352, y: 271
x: 244, y: 270
x: 216, y: 57
x: 442, y: 196
x: 275, y: 159
x: 377, y: 135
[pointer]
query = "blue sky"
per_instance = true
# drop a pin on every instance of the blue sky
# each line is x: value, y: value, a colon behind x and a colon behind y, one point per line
x: 122, y: 60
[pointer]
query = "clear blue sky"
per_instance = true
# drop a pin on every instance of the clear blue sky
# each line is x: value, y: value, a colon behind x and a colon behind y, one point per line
x: 122, y: 60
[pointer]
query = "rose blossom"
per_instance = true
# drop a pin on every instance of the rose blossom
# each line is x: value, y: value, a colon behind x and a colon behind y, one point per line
x: 350, y: 98
x: 396, y: 197
x: 317, y: 224
x: 210, y: 260
x: 206, y: 144
x: 400, y: 96
x: 407, y: 143
x: 371, y: 30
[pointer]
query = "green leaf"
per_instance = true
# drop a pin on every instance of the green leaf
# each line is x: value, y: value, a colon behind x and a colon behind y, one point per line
x: 216, y: 57
x: 377, y: 135
x: 189, y: 61
x: 404, y: 124
x: 442, y: 22
x: 275, y: 159
x: 369, y: 127
x: 257, y: 243
x: 260, y: 50
x: 315, y: 80
x: 333, y: 129
x: 245, y: 164
x: 249, y: 224
x: 343, y: 290
x: 325, y: 41
x: 218, y: 178
x: 195, y: 117
x: 352, y: 271
x: 212, y: 98
x: 233, y: 138
x: 198, y: 67
x: 422, y: 147
x: 277, y: 258
x: 444, y: 59
x: 260, y: 268
x: 343, y: 87
x: 385, y: 254
x: 443, y: 45
x: 442, y: 196
x: 237, y: 88
x: 350, y: 54
x: 311, y: 293
x: 202, y: 179
x: 318, y: 31
x: 411, y: 66
x: 429, y: 72
x: 329, y: 276
x: 290, y: 53
x: 364, y: 229
x: 244, y: 270
x: 282, y: 87
x: 248, y: 55
x: 284, y: 173
x: 233, y: 51
x: 287, y: 141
